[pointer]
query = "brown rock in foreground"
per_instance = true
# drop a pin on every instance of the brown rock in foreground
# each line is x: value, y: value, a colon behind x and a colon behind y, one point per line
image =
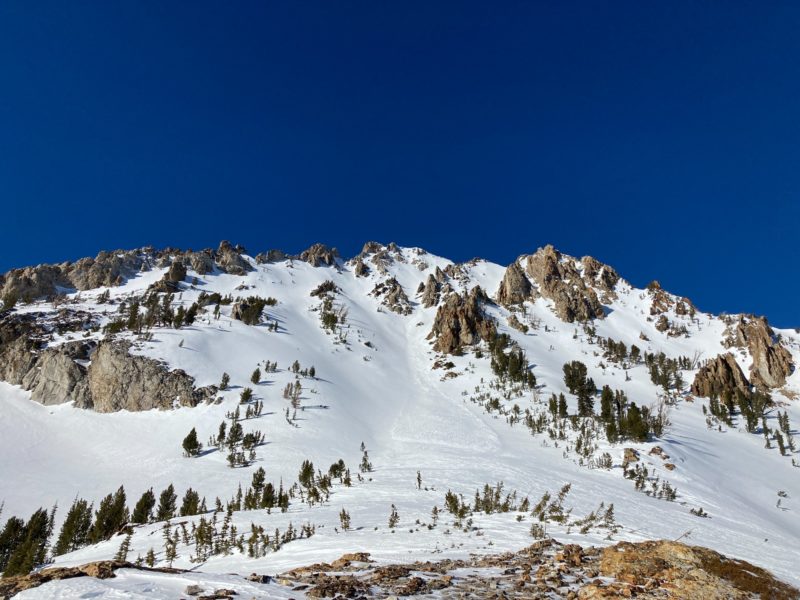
x: 548, y: 569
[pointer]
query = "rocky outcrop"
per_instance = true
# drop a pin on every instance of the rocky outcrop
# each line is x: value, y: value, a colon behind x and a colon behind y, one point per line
x: 114, y: 380
x: 515, y: 287
x: 106, y: 269
x: 461, y: 321
x: 319, y: 255
x: 230, y: 259
x: 548, y: 569
x: 360, y: 269
x: 599, y: 275
x: 429, y: 291
x: 394, y: 298
x: 660, y: 569
x: 57, y: 377
x: 772, y: 363
x: 721, y: 373
x: 271, y: 256
x: 104, y: 569
x: 119, y: 380
x: 561, y: 282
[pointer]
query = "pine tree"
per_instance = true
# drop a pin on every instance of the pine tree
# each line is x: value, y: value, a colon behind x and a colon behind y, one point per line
x: 226, y: 379
x: 74, y: 532
x: 166, y: 504
x: 246, y: 395
x: 143, y: 511
x: 394, y: 518
x: 110, y: 517
x: 562, y: 407
x: 344, y: 520
x: 191, y: 503
x: 124, y: 547
x: 191, y: 445
x: 32, y: 547
x: 255, y: 378
x: 306, y: 474
x: 150, y: 558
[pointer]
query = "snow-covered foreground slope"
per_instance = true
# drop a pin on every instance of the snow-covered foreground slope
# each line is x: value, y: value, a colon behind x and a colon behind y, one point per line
x: 375, y: 383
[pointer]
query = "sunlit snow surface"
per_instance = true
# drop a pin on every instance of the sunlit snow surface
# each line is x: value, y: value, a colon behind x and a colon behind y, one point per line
x: 410, y: 420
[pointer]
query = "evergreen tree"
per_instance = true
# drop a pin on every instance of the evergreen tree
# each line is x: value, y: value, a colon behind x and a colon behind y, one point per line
x: 110, y: 516
x: 394, y: 518
x: 255, y: 378
x: 226, y: 379
x: 306, y: 474
x: 74, y: 532
x: 607, y: 404
x: 166, y: 504
x: 31, y: 550
x: 143, y: 511
x: 191, y: 445
x: 562, y: 407
x: 246, y: 395
x: 11, y: 537
x: 191, y: 503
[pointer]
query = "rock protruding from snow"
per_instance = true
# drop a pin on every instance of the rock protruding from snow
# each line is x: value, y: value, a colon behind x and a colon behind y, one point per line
x: 561, y: 282
x: 515, y: 287
x: 271, y: 256
x: 461, y: 321
x: 394, y: 298
x: 600, y: 276
x: 320, y: 255
x: 772, y: 363
x: 119, y: 380
x: 718, y: 374
x: 230, y: 259
x: 106, y: 269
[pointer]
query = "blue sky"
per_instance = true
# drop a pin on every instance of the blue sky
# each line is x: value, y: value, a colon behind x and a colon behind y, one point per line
x: 662, y: 138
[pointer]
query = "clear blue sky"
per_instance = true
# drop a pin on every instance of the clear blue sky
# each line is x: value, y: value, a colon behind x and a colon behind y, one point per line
x: 662, y: 138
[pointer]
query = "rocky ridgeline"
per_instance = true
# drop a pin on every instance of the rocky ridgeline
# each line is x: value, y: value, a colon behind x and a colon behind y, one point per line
x: 110, y: 269
x: 570, y: 284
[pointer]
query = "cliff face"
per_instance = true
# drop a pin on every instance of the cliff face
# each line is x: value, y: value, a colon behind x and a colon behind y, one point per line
x: 561, y: 282
x: 721, y: 373
x: 461, y: 321
x: 118, y: 380
x: 114, y: 380
x: 772, y: 363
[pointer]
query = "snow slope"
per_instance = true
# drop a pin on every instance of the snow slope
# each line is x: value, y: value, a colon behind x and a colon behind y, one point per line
x: 410, y: 418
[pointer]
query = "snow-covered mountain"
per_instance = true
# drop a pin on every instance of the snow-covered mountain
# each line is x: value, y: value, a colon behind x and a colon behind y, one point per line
x: 423, y: 376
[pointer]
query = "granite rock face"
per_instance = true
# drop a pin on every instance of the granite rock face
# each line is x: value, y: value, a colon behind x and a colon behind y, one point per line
x: 461, y: 321
x: 319, y: 255
x: 772, y: 363
x: 721, y: 373
x: 561, y: 282
x: 515, y: 287
x: 230, y: 259
x: 119, y: 380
